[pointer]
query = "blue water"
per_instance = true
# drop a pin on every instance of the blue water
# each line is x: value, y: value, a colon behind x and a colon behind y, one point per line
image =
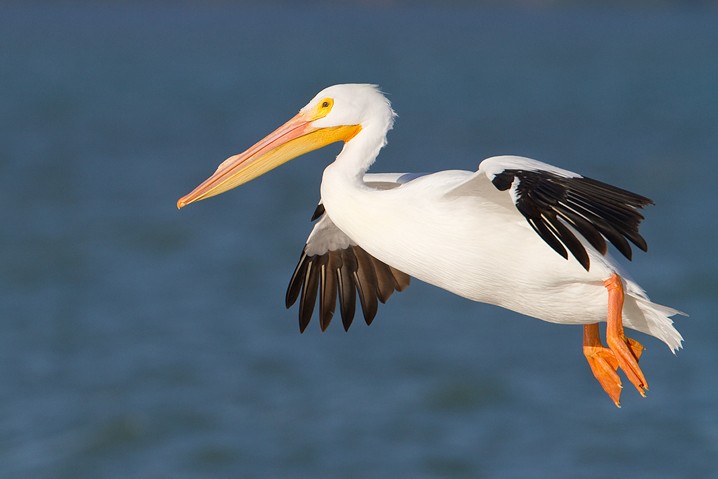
x: 139, y: 341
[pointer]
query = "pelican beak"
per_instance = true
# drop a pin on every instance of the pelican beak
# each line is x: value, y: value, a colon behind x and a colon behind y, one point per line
x: 296, y: 137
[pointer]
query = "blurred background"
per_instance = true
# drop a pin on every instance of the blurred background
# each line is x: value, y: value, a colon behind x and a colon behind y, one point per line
x: 139, y: 341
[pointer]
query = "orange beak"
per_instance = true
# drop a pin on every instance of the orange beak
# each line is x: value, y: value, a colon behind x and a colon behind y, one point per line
x: 296, y: 137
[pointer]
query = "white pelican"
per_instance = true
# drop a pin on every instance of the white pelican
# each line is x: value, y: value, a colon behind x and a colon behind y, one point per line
x: 516, y: 233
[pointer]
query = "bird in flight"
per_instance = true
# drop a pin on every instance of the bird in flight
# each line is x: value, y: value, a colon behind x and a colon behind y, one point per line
x: 516, y: 233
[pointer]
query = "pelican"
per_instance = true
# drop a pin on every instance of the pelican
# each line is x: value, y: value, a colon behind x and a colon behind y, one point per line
x: 516, y: 233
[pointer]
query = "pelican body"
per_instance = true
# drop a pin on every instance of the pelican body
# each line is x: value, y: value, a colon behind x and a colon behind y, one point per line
x: 517, y: 233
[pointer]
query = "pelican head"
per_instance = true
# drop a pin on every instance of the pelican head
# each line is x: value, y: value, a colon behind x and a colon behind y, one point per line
x: 337, y: 113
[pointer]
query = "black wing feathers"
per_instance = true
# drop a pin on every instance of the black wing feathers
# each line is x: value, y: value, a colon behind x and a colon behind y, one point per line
x: 318, y: 212
x: 309, y: 294
x: 347, y: 295
x: 341, y: 274
x: 596, y: 210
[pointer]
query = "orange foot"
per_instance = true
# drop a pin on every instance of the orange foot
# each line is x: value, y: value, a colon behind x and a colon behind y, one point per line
x: 622, y: 352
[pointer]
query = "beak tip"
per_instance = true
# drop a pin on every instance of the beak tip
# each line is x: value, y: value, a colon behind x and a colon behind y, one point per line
x: 181, y: 203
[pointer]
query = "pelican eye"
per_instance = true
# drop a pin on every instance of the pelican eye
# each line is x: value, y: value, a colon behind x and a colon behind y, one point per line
x: 323, y: 108
x: 325, y: 105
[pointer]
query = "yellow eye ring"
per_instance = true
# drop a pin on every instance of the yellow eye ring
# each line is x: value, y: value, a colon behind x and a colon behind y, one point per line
x: 323, y: 108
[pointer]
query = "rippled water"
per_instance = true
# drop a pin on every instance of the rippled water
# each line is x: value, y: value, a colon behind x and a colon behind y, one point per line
x: 139, y: 341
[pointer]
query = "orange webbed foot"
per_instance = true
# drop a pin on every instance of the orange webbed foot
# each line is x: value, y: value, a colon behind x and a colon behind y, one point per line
x: 627, y: 351
x: 622, y: 352
x: 603, y: 363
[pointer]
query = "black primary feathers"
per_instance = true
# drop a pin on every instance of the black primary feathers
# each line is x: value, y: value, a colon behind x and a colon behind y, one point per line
x: 341, y: 274
x: 557, y: 206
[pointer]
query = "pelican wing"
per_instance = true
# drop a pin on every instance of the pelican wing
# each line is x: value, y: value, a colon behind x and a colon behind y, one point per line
x: 332, y: 265
x: 559, y: 204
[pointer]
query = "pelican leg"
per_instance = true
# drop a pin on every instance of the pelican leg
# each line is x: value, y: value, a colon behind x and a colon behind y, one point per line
x: 626, y: 350
x: 622, y: 352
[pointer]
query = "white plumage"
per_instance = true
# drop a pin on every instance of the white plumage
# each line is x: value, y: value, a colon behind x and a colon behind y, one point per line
x: 516, y: 233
